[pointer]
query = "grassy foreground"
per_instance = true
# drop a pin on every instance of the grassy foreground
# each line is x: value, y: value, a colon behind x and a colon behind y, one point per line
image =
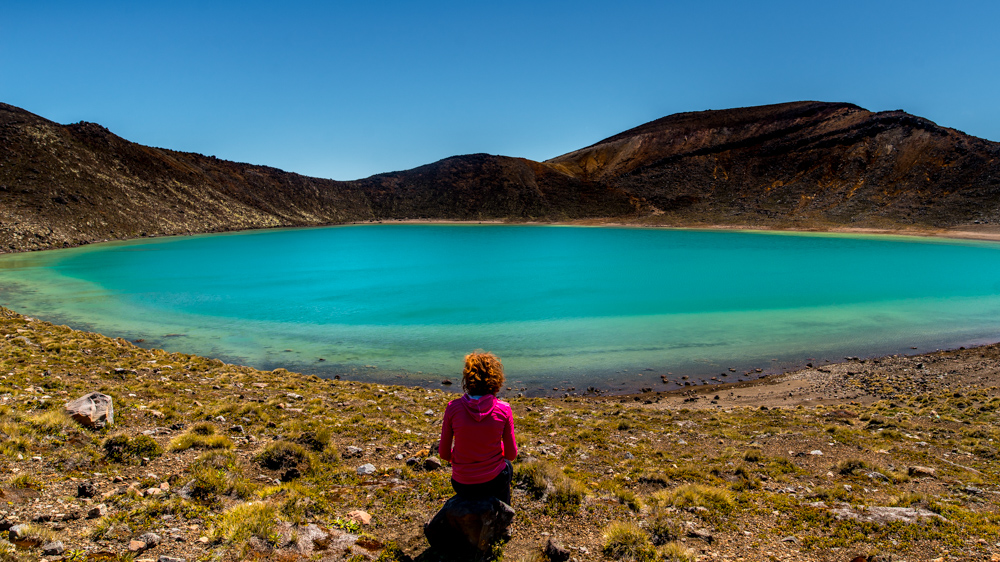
x: 224, y: 462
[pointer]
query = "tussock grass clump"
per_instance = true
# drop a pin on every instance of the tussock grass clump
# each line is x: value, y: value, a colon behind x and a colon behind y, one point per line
x: 282, y: 455
x: 316, y: 441
x: 753, y: 455
x: 36, y: 534
x: 628, y: 498
x: 216, y: 473
x: 9, y: 553
x: 567, y: 495
x: 663, y: 527
x: 244, y: 522
x: 676, y: 552
x: 627, y: 542
x: 203, y: 428
x: 218, y: 459
x: 695, y: 495
x: 52, y: 422
x: 908, y: 499
x: 122, y: 449
x: 849, y: 467
x: 535, y: 477
x: 25, y: 482
x: 197, y: 439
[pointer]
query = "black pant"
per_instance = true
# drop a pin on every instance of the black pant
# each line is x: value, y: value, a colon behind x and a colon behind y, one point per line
x: 498, y: 488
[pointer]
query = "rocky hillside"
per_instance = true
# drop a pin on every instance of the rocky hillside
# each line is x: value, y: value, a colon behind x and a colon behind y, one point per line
x: 804, y: 164
x: 799, y: 162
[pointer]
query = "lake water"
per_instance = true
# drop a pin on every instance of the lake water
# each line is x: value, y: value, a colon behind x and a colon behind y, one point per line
x: 562, y: 306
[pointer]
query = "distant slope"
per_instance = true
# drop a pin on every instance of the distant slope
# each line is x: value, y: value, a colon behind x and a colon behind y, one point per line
x: 795, y: 164
x: 64, y: 185
x: 828, y: 162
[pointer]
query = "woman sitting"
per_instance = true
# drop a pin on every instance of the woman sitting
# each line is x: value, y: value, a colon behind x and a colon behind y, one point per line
x: 478, y: 433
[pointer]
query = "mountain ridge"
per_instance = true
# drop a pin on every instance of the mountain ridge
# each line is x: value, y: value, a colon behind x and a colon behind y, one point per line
x: 793, y: 165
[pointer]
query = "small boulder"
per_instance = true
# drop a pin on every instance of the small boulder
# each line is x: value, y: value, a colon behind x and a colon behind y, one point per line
x: 362, y: 517
x: 921, y: 471
x: 555, y: 552
x: 465, y: 526
x: 351, y: 451
x: 366, y: 469
x: 151, y: 539
x: 54, y: 548
x: 97, y: 511
x: 135, y: 545
x: 94, y: 410
x: 86, y: 490
x: 432, y: 463
x: 19, y: 533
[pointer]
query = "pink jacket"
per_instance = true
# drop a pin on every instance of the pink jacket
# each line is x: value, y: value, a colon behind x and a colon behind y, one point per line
x: 483, y: 432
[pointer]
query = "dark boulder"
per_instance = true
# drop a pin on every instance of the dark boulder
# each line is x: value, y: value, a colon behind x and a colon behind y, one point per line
x: 464, y: 526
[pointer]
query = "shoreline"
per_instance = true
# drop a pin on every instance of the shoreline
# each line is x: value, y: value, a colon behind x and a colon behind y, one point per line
x: 706, y: 379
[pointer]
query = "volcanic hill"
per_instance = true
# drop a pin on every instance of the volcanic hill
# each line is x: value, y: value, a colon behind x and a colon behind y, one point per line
x: 798, y: 165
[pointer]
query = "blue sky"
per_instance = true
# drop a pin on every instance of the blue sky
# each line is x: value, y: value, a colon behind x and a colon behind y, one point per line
x: 349, y: 89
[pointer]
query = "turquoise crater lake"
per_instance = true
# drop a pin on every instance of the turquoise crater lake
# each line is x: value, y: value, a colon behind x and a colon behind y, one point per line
x: 564, y: 307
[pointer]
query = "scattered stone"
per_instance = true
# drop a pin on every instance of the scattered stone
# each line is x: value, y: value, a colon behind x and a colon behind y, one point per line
x: 366, y: 469
x: 136, y: 545
x: 236, y: 429
x: 18, y: 533
x: 351, y: 451
x: 816, y: 452
x: 165, y: 558
x: 701, y: 534
x: 883, y: 515
x: 54, y: 548
x: 465, y: 526
x: 432, y: 463
x: 95, y: 410
x: 555, y: 552
x: 360, y: 516
x: 429, y: 413
x: 791, y: 539
x: 412, y: 461
x: 86, y: 490
x: 921, y: 471
x: 151, y: 539
x: 97, y: 512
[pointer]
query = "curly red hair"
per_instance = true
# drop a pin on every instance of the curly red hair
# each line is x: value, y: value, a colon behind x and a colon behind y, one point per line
x: 483, y: 374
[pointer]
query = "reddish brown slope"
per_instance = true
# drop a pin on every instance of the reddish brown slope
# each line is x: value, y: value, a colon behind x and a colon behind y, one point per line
x: 803, y: 161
